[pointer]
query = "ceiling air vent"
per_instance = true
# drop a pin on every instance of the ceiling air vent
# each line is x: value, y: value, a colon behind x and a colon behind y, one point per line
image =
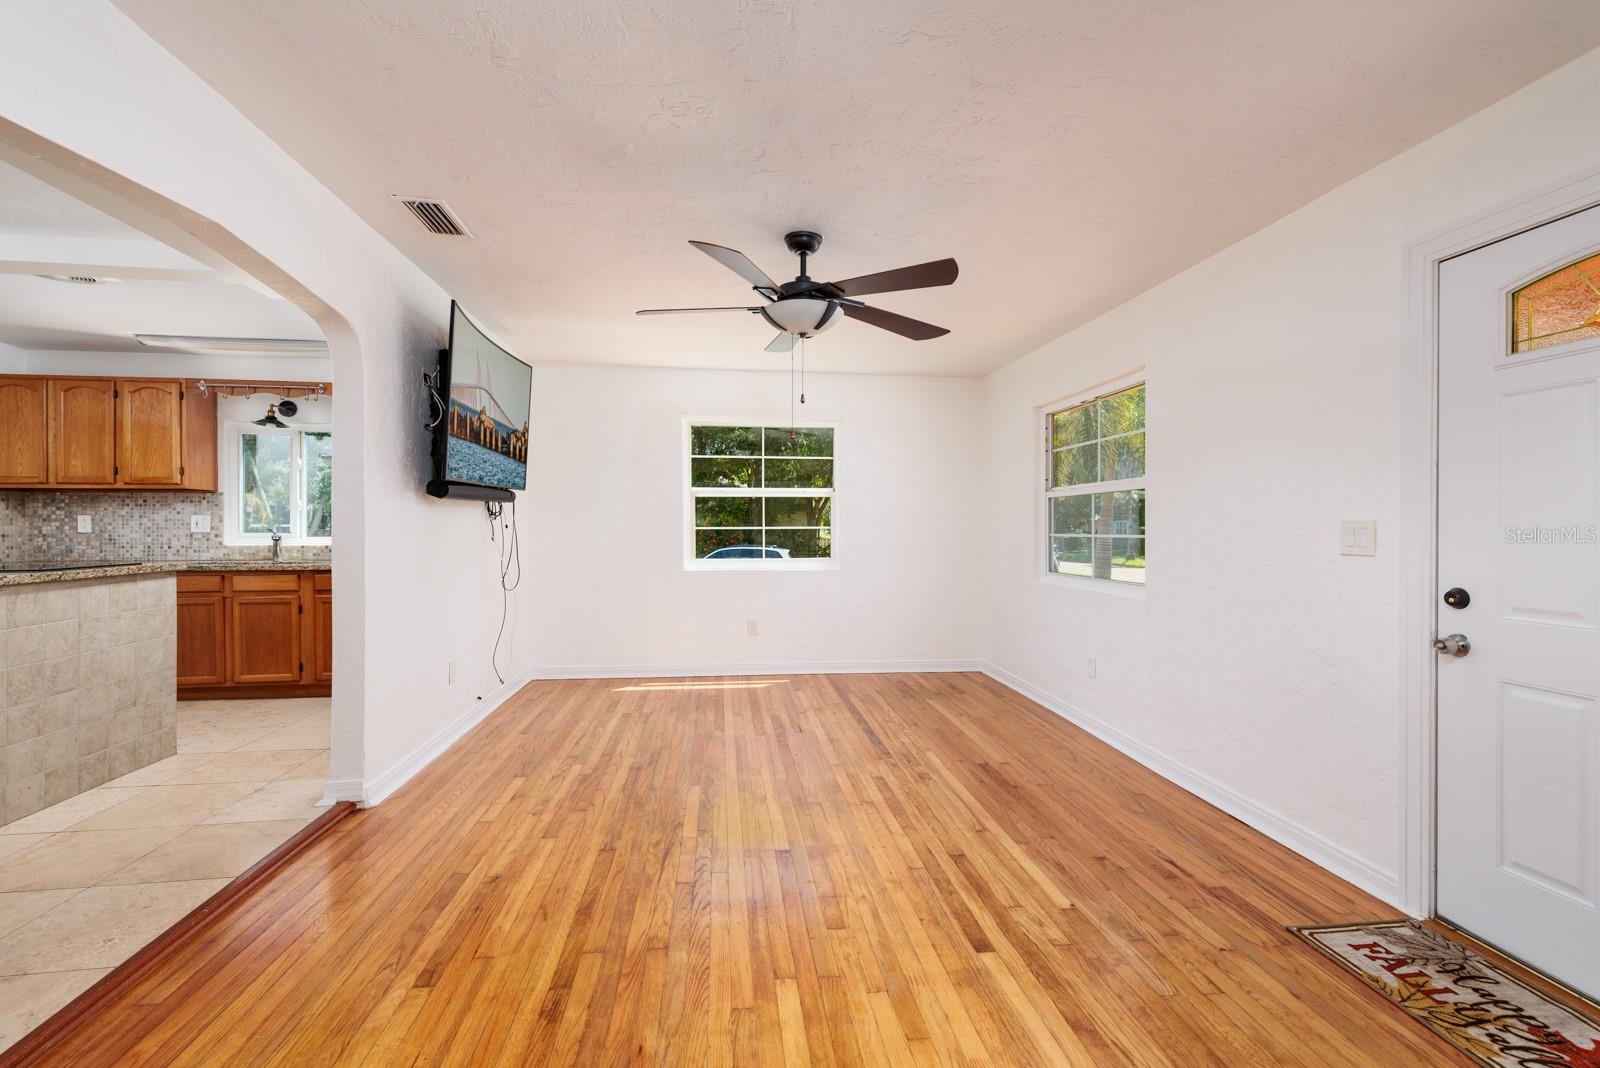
x: 435, y: 215
x: 79, y: 279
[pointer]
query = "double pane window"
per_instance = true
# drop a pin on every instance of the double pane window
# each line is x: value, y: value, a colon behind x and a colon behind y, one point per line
x: 1095, y: 493
x: 761, y: 493
x: 285, y: 484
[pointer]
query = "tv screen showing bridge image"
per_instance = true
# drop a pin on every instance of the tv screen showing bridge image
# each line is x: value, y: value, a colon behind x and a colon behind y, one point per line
x: 488, y: 418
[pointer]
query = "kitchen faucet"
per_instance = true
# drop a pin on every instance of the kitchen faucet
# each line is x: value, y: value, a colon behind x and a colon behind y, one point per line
x: 277, y: 546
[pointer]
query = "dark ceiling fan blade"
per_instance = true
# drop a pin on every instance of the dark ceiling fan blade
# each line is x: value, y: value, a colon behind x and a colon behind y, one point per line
x: 737, y: 262
x: 920, y: 276
x: 781, y: 343
x: 681, y: 311
x: 915, y: 329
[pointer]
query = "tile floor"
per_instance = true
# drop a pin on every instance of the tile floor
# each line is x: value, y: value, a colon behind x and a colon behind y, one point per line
x: 85, y: 883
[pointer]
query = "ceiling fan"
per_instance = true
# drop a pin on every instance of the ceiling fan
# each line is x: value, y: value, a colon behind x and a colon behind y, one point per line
x: 805, y: 307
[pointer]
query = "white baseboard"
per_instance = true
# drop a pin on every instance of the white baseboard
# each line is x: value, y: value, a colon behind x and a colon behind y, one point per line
x: 691, y: 671
x: 1308, y: 843
x: 341, y: 790
x: 374, y: 790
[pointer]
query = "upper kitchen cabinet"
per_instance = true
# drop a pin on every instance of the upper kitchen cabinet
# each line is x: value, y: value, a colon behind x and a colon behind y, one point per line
x: 149, y: 432
x: 104, y: 433
x: 199, y: 439
x: 24, y: 449
x: 83, y: 419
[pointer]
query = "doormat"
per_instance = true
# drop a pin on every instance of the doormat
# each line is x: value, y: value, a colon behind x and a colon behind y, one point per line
x: 1461, y: 995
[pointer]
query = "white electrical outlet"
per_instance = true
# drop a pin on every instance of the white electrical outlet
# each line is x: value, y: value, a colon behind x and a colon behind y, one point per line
x: 86, y: 524
x: 1093, y: 667
x: 199, y: 524
x: 751, y: 628
x: 452, y: 670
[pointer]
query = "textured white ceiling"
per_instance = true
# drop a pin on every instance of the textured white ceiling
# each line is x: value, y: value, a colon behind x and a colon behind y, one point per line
x: 155, y: 289
x: 40, y: 314
x: 1069, y: 154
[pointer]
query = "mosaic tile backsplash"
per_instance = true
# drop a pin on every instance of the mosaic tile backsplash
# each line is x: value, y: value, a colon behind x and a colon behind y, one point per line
x: 136, y: 525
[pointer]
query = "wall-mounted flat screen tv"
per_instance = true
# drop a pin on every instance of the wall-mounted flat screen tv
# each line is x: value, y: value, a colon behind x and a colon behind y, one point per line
x: 483, y: 438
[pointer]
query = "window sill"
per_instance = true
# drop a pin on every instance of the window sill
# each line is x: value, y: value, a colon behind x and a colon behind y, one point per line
x: 761, y: 565
x: 1133, y: 591
x: 287, y: 543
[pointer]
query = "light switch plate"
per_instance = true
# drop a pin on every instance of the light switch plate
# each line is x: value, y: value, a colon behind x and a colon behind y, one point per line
x: 86, y: 524
x: 1358, y: 537
x: 199, y: 524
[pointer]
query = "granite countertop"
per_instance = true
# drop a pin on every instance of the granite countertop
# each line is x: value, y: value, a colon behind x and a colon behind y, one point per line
x: 157, y: 567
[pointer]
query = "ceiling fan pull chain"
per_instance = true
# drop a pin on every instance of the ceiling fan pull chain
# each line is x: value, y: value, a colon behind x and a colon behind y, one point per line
x: 802, y: 344
x: 791, y: 391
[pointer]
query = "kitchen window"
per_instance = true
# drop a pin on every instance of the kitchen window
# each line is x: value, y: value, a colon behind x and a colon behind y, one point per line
x: 284, y: 481
x: 1095, y: 487
x: 758, y: 497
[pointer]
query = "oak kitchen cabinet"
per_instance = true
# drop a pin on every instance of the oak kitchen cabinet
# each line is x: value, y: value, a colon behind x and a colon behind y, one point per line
x: 82, y: 426
x: 150, y: 432
x: 106, y: 433
x: 24, y: 413
x: 255, y: 634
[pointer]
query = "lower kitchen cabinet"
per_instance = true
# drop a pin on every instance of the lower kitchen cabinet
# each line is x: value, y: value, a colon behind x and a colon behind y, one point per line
x: 202, y: 633
x: 320, y: 613
x: 255, y: 634
x: 264, y: 630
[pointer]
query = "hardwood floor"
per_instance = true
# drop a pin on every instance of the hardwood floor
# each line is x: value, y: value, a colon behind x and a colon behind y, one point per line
x: 830, y: 870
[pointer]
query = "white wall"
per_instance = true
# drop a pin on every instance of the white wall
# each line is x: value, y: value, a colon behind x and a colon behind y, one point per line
x: 85, y: 91
x: 603, y: 535
x: 1260, y: 663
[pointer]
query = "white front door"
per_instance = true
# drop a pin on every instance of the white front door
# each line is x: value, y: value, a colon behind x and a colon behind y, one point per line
x: 1519, y: 507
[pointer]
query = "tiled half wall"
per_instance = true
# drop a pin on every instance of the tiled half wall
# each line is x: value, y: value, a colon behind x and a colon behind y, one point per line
x: 88, y: 685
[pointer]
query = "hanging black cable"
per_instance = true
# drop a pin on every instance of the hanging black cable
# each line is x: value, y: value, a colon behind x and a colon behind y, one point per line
x: 508, y: 555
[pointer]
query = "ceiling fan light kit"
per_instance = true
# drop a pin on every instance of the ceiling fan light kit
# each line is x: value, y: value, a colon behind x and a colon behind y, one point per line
x: 804, y: 307
x: 804, y: 316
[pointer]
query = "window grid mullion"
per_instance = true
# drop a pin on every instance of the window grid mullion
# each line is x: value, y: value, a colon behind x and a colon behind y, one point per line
x: 756, y: 456
x: 297, y: 488
x: 1092, y: 441
x: 758, y: 491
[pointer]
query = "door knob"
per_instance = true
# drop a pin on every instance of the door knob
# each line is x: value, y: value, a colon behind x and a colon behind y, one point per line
x: 1453, y: 645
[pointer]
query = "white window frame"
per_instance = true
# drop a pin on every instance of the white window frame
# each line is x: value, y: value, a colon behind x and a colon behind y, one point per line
x: 690, y: 492
x: 233, y: 486
x: 1043, y: 416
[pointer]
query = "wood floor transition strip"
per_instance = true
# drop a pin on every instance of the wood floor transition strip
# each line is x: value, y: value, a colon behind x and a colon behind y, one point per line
x: 28, y: 1049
